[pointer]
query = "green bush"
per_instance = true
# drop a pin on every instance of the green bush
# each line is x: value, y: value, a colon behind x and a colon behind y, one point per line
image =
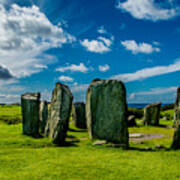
x: 137, y: 112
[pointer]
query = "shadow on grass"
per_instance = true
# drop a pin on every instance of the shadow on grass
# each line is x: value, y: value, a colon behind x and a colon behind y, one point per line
x: 79, y: 130
x: 149, y: 149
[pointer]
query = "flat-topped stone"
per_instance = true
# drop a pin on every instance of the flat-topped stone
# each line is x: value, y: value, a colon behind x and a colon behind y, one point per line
x: 30, y: 113
x: 106, y: 111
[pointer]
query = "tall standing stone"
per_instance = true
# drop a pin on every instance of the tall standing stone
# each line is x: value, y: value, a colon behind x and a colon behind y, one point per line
x: 47, y: 127
x: 152, y: 114
x: 61, y: 104
x: 79, y: 115
x: 106, y: 111
x: 30, y: 113
x: 176, y: 139
x: 43, y: 115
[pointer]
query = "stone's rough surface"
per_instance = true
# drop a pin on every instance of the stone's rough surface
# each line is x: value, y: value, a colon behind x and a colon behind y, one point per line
x: 43, y: 115
x: 176, y: 139
x: 47, y: 127
x: 30, y: 112
x: 152, y: 114
x: 79, y: 115
x: 106, y: 111
x: 61, y: 104
x: 131, y: 121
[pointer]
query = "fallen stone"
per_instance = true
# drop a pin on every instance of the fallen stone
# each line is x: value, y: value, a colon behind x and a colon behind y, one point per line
x: 136, y: 135
x: 100, y: 142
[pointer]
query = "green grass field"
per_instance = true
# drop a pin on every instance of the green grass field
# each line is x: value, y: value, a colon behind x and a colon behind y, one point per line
x: 25, y: 158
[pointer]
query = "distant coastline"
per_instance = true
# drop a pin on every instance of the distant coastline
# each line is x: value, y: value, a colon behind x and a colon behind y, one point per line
x: 139, y: 105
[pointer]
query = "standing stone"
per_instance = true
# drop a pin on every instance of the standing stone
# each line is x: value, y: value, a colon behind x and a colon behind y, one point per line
x: 47, y: 127
x: 43, y: 115
x: 152, y: 114
x: 30, y: 113
x: 61, y: 104
x: 79, y: 115
x: 106, y: 111
x: 176, y: 139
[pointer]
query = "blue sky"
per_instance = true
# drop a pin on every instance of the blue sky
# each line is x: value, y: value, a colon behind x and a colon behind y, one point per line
x: 42, y: 42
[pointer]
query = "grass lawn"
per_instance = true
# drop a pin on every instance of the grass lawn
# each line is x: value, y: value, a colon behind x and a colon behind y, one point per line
x: 25, y: 158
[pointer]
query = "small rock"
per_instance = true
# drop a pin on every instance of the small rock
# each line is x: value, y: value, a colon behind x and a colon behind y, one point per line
x: 100, y: 142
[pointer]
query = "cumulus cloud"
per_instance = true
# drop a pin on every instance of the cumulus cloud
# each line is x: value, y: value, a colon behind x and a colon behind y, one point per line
x: 135, y: 48
x: 25, y: 33
x: 104, y: 68
x: 148, y: 72
x: 66, y: 79
x: 73, y: 67
x: 100, y: 45
x: 149, y: 9
x: 4, y: 73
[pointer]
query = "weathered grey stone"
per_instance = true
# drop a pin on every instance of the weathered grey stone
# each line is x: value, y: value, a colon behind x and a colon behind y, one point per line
x: 131, y: 121
x: 61, y: 104
x: 30, y: 113
x: 106, y: 111
x: 79, y: 115
x: 43, y: 115
x: 152, y: 114
x: 176, y: 139
x: 47, y: 127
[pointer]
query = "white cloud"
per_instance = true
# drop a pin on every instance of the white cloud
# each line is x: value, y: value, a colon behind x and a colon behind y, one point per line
x: 79, y: 88
x: 146, y: 48
x: 107, y: 42
x: 102, y: 30
x: 101, y: 45
x: 40, y: 66
x: 104, y: 68
x: 73, y: 67
x: 66, y: 79
x: 148, y: 9
x: 155, y: 91
x: 25, y: 33
x: 148, y: 72
x: 166, y: 94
